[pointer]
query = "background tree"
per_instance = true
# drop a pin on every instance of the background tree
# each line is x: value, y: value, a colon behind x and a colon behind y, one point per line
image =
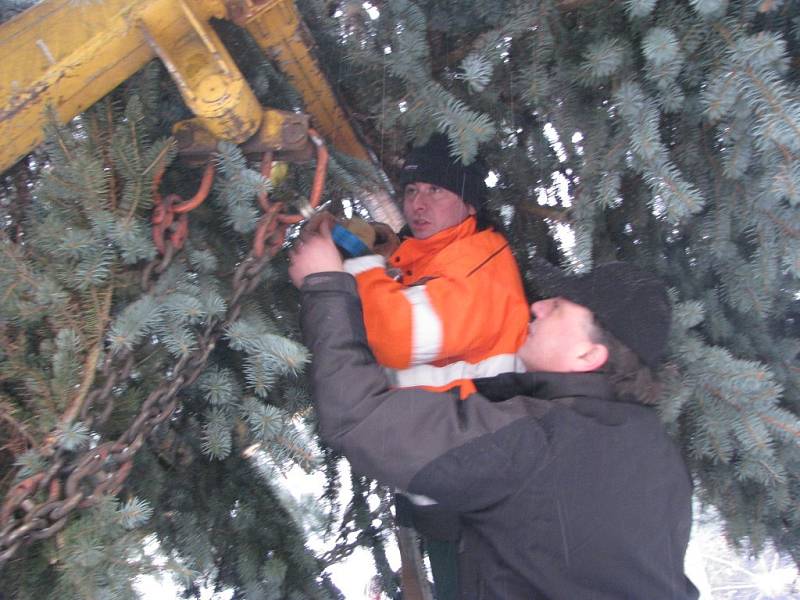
x: 661, y: 132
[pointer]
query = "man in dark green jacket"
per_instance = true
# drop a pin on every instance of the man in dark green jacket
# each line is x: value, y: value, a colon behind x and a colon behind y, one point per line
x: 568, y: 488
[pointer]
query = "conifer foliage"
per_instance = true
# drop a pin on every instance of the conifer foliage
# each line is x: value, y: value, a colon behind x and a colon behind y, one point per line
x: 663, y: 132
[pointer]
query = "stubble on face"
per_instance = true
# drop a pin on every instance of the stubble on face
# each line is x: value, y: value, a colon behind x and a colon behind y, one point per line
x: 429, y: 209
x: 559, y: 331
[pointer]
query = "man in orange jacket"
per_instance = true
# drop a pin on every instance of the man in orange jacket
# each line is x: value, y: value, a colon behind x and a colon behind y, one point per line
x: 447, y: 306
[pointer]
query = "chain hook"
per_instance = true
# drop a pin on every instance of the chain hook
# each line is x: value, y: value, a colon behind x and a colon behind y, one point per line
x: 266, y: 224
x: 273, y: 224
x: 164, y: 212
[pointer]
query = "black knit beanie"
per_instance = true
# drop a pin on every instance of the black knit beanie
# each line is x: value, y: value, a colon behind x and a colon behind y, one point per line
x: 433, y: 164
x: 628, y: 302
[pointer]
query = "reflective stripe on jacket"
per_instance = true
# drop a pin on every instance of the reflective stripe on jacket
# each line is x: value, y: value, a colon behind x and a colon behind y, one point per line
x: 457, y: 310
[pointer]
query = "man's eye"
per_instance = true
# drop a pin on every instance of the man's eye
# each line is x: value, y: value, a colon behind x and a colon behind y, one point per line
x: 434, y: 189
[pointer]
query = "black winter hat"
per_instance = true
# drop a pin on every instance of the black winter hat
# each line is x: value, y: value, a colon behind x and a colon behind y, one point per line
x: 627, y: 301
x: 433, y: 164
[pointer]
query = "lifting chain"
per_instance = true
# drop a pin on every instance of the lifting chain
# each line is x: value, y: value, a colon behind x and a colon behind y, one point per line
x: 39, y: 506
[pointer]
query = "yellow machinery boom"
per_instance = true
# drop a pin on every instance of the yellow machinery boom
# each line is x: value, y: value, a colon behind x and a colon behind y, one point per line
x: 69, y: 54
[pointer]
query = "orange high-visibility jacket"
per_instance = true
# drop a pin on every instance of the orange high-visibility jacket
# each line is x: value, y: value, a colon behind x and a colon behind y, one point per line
x: 456, y: 312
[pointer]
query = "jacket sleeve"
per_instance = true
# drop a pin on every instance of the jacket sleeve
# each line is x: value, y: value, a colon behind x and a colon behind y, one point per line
x: 464, y: 454
x: 453, y: 316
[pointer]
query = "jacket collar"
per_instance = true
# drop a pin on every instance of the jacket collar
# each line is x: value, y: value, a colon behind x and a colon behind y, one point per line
x: 412, y: 247
x: 546, y: 386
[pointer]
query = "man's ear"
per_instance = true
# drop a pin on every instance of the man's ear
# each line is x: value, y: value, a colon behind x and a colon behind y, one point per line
x: 594, y: 357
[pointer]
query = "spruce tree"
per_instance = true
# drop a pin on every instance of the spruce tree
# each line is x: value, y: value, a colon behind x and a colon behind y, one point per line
x: 659, y: 132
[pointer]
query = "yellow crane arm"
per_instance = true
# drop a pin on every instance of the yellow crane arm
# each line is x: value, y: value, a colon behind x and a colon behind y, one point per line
x: 279, y: 30
x: 69, y: 54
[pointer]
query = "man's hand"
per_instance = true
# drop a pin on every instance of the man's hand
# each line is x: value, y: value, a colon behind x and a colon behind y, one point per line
x: 386, y: 240
x: 314, y: 252
x: 313, y: 225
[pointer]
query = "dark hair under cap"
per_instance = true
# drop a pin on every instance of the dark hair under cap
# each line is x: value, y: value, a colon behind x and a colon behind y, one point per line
x: 627, y: 301
x: 433, y: 164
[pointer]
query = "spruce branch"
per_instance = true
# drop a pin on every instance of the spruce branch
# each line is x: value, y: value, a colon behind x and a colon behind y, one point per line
x: 750, y: 66
x: 293, y: 443
x: 157, y: 158
x: 134, y: 513
x: 136, y: 320
x: 58, y: 137
x: 161, y: 154
x: 776, y: 100
x: 660, y: 46
x: 477, y: 72
x: 65, y: 366
x: 219, y: 386
x: 29, y: 463
x: 102, y: 141
x: 92, y: 357
x: 72, y: 437
x: 443, y: 60
x: 639, y: 9
x: 709, y: 8
x: 177, y: 338
x: 720, y: 95
x: 679, y: 198
x: 567, y: 5
x: 34, y: 381
x: 265, y: 421
x: 756, y: 436
x: 734, y: 263
x: 784, y: 422
x: 6, y: 415
x: 602, y: 59
x: 545, y: 212
x: 217, y: 441
x: 714, y: 442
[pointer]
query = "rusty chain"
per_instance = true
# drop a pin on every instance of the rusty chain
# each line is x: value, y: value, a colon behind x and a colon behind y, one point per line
x: 39, y: 506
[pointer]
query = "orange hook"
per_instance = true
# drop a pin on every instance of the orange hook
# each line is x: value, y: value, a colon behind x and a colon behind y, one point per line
x: 273, y: 224
x: 164, y: 211
x: 266, y: 171
x: 202, y: 192
x: 162, y: 219
x: 322, y: 167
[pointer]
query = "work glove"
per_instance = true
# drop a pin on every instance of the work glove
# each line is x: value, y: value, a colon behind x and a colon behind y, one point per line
x: 355, y: 236
x: 312, y: 225
x: 386, y: 240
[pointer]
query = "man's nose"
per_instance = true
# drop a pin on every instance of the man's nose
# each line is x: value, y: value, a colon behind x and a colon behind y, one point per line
x: 539, y: 308
x: 419, y: 201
